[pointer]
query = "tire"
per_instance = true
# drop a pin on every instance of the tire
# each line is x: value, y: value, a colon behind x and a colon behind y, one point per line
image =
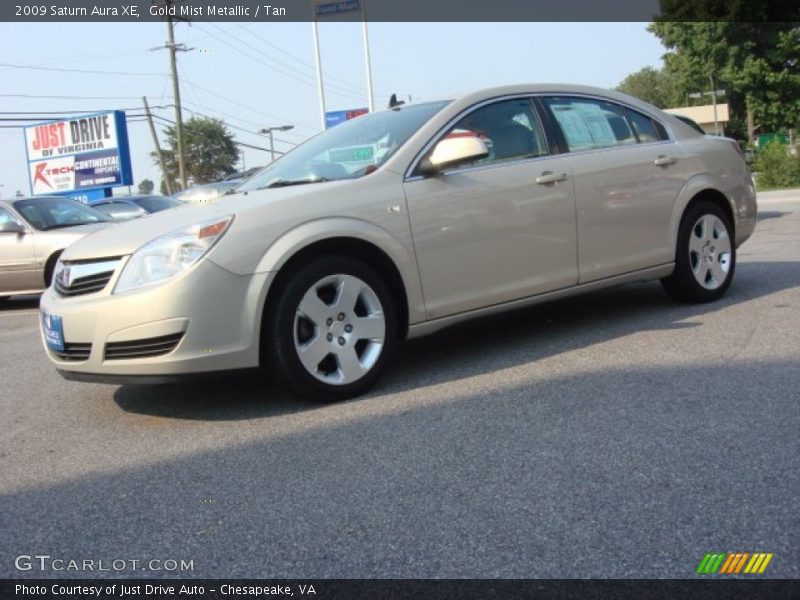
x: 50, y: 267
x: 705, y: 257
x: 332, y: 329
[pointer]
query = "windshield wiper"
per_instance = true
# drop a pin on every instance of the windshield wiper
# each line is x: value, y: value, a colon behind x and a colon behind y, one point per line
x: 288, y: 182
x: 64, y: 225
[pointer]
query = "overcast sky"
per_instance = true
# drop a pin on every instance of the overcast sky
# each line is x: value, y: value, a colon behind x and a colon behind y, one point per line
x: 254, y: 75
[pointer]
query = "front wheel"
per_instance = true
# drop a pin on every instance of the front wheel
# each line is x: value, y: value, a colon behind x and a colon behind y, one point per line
x: 706, y: 256
x: 332, y: 329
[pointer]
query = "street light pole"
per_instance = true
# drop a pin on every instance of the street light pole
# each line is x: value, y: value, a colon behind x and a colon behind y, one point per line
x: 713, y: 93
x: 714, y: 101
x: 269, y: 130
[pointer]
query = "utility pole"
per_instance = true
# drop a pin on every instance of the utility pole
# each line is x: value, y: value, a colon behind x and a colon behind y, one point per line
x: 157, y: 145
x: 714, y: 101
x: 269, y: 130
x: 176, y: 92
x: 751, y: 123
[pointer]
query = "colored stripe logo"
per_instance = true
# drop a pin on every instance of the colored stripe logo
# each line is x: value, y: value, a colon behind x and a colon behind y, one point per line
x: 733, y: 563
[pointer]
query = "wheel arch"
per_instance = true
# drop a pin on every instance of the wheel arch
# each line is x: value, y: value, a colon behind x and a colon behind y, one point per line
x: 388, y: 256
x: 49, y: 267
x: 699, y: 189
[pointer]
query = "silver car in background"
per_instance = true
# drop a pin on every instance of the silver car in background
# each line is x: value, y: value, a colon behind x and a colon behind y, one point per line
x: 124, y: 208
x: 33, y: 233
x: 399, y: 223
x: 206, y: 192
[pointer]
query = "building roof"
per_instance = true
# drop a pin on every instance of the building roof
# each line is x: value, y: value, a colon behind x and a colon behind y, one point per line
x: 702, y: 115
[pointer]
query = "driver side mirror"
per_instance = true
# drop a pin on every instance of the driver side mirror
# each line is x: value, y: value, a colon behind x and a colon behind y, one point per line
x: 12, y: 227
x: 450, y: 152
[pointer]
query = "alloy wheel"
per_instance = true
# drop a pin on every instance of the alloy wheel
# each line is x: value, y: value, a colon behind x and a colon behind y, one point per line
x: 339, y: 329
x: 710, y: 251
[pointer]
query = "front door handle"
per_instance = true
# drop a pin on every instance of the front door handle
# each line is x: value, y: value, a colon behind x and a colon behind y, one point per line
x: 665, y: 161
x: 550, y: 177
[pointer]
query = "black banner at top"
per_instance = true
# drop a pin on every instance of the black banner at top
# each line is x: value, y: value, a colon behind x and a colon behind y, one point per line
x: 398, y: 10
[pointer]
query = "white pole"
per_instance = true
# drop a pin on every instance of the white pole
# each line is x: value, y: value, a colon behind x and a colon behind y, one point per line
x: 320, y: 90
x: 367, y: 61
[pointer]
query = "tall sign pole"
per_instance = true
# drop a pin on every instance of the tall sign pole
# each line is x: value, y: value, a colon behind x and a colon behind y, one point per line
x: 370, y: 98
x: 320, y: 89
x: 333, y: 8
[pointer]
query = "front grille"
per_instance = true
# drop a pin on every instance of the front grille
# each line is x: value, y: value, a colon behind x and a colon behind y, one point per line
x: 143, y: 348
x: 85, y: 285
x: 79, y: 277
x: 74, y: 352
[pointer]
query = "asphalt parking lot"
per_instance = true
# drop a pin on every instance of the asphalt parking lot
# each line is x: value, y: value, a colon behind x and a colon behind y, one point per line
x: 614, y: 435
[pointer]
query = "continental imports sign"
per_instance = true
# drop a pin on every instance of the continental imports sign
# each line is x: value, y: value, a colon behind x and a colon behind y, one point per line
x: 78, y: 154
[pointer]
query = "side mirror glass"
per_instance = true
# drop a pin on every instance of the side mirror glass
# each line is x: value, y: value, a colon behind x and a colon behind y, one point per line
x: 452, y: 151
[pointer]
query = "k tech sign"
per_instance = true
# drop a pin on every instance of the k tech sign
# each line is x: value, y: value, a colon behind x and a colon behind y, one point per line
x: 79, y: 154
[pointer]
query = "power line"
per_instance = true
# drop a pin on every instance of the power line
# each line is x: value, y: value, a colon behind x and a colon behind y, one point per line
x: 250, y: 108
x: 259, y: 125
x: 73, y: 112
x: 304, y: 79
x: 328, y: 76
x: 87, y: 71
x: 70, y: 97
x: 34, y: 116
x: 171, y: 122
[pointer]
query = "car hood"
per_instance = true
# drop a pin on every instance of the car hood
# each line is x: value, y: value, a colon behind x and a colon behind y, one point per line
x: 126, y: 237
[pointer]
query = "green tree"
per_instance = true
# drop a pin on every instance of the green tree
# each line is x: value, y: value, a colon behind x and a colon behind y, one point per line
x: 757, y: 63
x: 652, y: 85
x: 210, y: 151
x: 146, y: 186
x: 777, y: 167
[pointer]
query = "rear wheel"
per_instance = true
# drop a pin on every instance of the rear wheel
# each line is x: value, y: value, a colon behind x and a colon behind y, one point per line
x: 706, y: 255
x: 332, y: 329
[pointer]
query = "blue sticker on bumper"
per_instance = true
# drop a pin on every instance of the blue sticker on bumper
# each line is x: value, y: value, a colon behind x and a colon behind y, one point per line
x: 53, y: 330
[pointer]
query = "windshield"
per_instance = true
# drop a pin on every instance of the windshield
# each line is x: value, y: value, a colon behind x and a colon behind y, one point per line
x: 55, y: 213
x: 353, y: 149
x: 156, y: 203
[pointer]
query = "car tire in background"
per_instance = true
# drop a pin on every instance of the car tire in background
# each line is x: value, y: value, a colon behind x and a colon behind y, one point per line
x: 331, y: 329
x: 50, y: 268
x: 705, y: 258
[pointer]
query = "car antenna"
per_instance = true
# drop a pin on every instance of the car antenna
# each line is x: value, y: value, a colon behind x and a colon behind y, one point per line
x: 394, y: 102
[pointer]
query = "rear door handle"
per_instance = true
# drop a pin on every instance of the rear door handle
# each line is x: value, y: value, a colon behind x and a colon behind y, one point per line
x: 665, y: 161
x: 550, y: 177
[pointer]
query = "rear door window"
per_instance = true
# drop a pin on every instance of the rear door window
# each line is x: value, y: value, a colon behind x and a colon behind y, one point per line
x: 644, y: 127
x: 588, y: 123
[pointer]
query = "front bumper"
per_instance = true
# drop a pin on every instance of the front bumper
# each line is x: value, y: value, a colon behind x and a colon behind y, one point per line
x: 217, y: 312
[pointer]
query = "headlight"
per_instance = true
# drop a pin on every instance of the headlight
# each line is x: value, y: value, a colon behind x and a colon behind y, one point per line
x: 171, y: 254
